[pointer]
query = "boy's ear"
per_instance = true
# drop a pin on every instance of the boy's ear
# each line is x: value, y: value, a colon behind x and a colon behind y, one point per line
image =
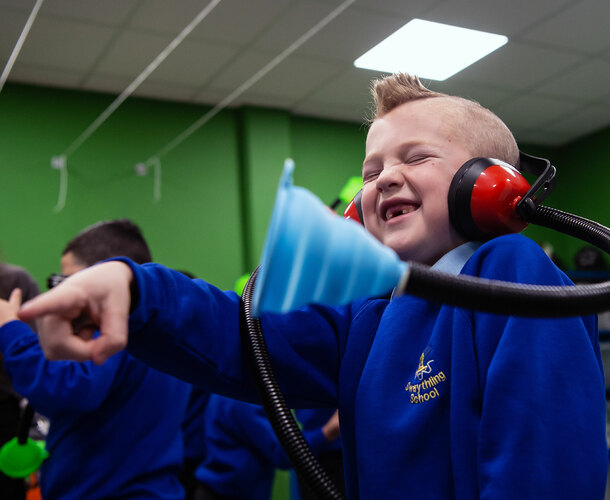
x: 354, y: 209
x: 483, y: 196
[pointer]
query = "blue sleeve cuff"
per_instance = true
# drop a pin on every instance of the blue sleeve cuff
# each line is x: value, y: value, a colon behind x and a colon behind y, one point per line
x: 11, y: 332
x: 318, y: 443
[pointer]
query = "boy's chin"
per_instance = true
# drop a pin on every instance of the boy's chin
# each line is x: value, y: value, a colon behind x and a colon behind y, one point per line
x: 421, y: 255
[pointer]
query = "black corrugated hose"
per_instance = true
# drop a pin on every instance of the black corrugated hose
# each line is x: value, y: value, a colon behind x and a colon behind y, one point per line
x: 502, y: 297
x: 285, y: 426
x: 463, y: 291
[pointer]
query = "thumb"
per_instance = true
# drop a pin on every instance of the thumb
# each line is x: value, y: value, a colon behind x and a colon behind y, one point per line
x: 15, y: 298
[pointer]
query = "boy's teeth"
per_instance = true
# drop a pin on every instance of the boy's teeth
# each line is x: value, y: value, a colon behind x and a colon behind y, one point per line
x: 396, y: 214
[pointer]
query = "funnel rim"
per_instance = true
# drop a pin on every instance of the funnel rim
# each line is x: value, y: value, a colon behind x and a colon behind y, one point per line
x: 274, y: 224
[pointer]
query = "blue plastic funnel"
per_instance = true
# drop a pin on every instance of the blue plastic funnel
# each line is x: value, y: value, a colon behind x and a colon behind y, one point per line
x: 313, y: 256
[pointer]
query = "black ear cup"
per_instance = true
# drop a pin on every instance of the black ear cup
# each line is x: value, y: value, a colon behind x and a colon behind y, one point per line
x: 482, y: 199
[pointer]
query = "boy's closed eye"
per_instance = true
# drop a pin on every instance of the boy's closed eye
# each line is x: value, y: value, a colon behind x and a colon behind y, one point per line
x: 370, y: 176
x: 370, y: 172
x: 416, y: 159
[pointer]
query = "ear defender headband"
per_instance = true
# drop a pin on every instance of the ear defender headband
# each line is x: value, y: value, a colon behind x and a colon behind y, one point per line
x: 488, y: 197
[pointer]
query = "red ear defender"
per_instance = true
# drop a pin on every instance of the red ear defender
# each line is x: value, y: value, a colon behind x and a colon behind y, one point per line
x: 354, y: 209
x: 483, y: 197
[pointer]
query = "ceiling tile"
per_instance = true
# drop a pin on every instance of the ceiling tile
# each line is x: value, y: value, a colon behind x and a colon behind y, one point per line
x: 131, y: 52
x: 241, y: 23
x: 517, y: 66
x: 264, y: 100
x: 582, y: 121
x: 108, y: 12
x: 64, y: 44
x: 168, y: 18
x: 241, y: 69
x: 44, y: 76
x: 542, y: 137
x: 193, y: 63
x: 503, y: 18
x: 231, y: 21
x: 337, y: 40
x: 587, y: 82
x: 528, y: 111
x: 486, y: 96
x: 349, y: 87
x: 111, y: 84
x: 583, y: 27
x: 295, y: 78
x: 406, y: 10
x: 12, y: 23
x: 165, y: 91
x: 292, y: 23
x: 16, y: 4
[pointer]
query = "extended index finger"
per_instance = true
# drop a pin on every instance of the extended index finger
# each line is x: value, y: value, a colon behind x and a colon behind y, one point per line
x: 61, y: 301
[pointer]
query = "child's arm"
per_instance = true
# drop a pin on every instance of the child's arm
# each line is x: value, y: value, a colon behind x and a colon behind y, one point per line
x: 189, y: 329
x: 252, y: 428
x: 193, y: 330
x: 51, y: 386
x: 542, y: 432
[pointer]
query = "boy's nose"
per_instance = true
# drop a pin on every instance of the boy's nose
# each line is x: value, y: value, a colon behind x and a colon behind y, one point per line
x: 390, y: 177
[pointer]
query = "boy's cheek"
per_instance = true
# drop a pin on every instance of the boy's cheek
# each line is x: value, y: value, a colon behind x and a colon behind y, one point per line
x: 369, y: 200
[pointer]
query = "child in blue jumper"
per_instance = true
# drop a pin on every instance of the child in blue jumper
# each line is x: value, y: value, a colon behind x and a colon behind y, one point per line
x: 115, y: 429
x: 242, y: 451
x: 435, y: 401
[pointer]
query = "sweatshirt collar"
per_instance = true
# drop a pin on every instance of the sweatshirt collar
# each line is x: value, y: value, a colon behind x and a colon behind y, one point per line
x: 453, y: 261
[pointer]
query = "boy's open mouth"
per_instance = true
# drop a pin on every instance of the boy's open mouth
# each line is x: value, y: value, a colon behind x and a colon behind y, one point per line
x: 397, y: 210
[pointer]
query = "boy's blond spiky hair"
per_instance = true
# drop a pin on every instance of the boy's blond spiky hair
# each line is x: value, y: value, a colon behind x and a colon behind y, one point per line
x: 477, y: 127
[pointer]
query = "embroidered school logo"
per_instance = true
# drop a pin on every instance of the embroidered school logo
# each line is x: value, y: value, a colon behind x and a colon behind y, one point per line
x: 428, y: 386
x: 423, y: 369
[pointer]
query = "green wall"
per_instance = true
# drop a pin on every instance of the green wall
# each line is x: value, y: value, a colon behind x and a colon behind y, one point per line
x: 195, y: 226
x: 583, y: 177
x: 218, y: 186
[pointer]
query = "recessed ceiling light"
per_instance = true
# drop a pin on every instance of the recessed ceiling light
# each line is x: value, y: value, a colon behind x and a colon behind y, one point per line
x: 430, y: 50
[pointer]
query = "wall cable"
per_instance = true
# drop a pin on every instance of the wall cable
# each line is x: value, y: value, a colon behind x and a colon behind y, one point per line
x: 132, y: 87
x: 248, y: 83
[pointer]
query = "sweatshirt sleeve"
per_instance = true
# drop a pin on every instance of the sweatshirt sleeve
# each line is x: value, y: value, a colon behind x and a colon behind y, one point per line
x: 193, y: 330
x: 543, y: 409
x: 52, y: 387
x: 256, y: 434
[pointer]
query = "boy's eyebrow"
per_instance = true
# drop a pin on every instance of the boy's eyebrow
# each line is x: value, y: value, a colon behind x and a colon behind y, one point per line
x: 369, y: 159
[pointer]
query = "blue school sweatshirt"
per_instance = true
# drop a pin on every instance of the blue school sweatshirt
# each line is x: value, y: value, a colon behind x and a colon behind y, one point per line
x: 436, y: 401
x: 115, y: 429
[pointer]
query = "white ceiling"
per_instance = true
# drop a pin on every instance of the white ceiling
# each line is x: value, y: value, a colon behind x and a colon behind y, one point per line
x: 550, y: 82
